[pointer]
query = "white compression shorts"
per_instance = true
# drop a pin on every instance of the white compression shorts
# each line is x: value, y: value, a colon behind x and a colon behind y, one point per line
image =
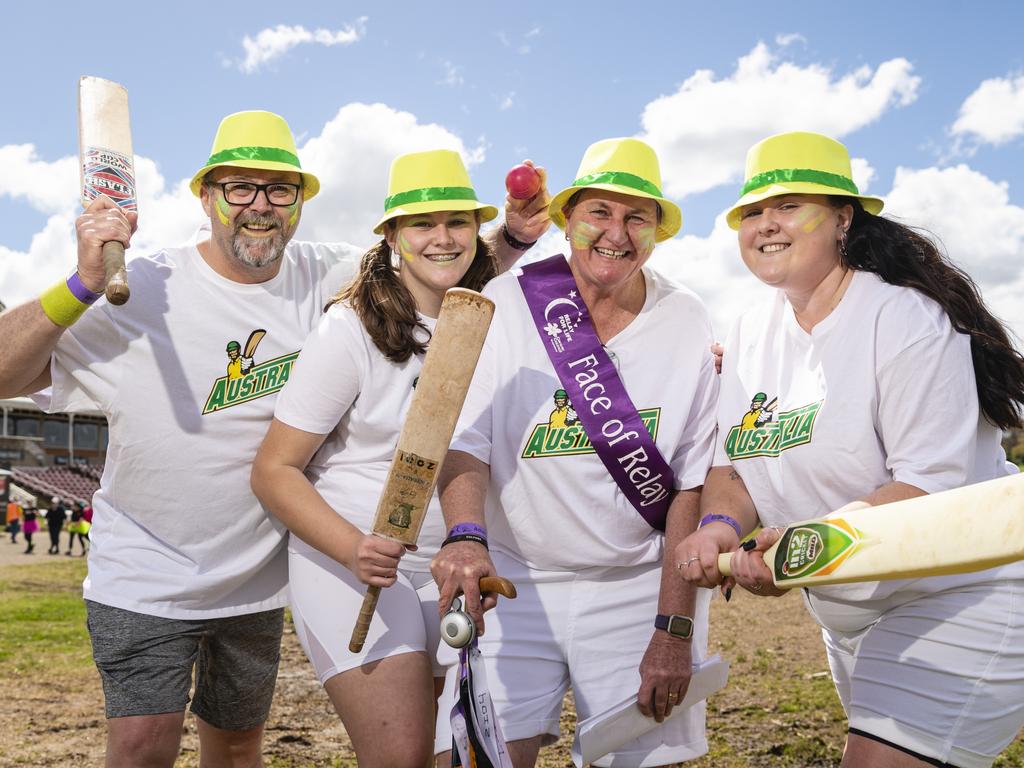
x: 325, y: 601
x: 586, y: 629
x: 938, y: 674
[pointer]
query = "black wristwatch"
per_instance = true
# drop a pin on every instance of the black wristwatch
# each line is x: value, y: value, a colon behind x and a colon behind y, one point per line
x: 675, y: 625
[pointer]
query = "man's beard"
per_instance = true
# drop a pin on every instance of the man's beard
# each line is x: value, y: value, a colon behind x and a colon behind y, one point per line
x: 262, y: 251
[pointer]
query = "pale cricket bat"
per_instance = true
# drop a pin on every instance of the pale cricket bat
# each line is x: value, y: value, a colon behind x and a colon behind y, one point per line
x: 966, y: 529
x: 252, y: 342
x: 443, y: 382
x: 107, y: 164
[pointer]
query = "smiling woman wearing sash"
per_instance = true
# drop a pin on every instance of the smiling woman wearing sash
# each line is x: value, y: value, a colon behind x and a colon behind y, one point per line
x: 578, y: 514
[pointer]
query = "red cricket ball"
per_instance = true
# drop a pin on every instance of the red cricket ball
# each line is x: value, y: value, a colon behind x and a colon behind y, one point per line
x: 522, y: 182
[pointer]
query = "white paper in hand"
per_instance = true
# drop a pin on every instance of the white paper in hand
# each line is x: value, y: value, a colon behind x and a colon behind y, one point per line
x: 607, y: 731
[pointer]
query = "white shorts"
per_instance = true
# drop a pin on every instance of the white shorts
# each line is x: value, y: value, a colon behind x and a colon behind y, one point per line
x: 588, y: 630
x: 325, y: 601
x: 940, y: 674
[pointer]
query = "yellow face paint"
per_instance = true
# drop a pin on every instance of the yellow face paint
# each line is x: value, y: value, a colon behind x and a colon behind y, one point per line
x: 584, y: 235
x: 811, y: 217
x: 645, y: 238
x: 223, y: 209
x: 404, y: 248
x: 294, y: 208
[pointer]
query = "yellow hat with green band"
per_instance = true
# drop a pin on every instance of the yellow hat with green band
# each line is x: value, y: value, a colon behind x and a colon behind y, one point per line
x: 258, y: 140
x: 628, y: 166
x: 798, y: 163
x: 424, y: 182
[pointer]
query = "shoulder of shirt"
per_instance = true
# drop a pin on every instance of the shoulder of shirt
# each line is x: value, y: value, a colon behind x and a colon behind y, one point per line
x: 900, y: 308
x: 666, y: 286
x: 504, y: 285
x: 323, y: 256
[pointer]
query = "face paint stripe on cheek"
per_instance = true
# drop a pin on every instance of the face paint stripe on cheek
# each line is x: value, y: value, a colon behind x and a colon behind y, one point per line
x: 404, y: 248
x: 583, y: 235
x: 294, y: 208
x: 223, y: 209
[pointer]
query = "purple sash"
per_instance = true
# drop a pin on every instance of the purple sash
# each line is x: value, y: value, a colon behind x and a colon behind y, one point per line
x: 595, y: 390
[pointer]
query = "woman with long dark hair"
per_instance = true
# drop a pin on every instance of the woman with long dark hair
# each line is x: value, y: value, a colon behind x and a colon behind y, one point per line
x: 875, y: 373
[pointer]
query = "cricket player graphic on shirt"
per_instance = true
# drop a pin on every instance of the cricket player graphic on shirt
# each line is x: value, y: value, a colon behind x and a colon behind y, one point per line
x: 759, y: 413
x: 563, y: 415
x: 240, y: 362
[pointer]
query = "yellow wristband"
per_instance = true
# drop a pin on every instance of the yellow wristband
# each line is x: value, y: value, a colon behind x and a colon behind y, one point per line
x: 61, y: 305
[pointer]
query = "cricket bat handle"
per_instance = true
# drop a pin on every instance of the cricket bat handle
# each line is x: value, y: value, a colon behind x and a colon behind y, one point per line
x: 498, y: 584
x: 725, y: 563
x: 365, y: 617
x: 117, y: 280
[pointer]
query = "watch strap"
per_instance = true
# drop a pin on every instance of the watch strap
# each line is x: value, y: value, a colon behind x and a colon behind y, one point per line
x: 675, y: 625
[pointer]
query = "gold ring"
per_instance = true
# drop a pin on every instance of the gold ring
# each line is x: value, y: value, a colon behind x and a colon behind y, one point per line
x: 673, y: 698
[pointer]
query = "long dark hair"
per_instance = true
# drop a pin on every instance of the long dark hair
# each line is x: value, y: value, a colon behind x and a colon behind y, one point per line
x: 903, y: 256
x: 388, y: 310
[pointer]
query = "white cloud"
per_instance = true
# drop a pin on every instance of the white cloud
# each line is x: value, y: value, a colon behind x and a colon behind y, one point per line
x: 507, y: 102
x: 452, y: 75
x: 863, y: 173
x: 789, y: 39
x: 274, y: 42
x: 47, y: 187
x: 352, y: 157
x: 994, y: 112
x: 703, y: 130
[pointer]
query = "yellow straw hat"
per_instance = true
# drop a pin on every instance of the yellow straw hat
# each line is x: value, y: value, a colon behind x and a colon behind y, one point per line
x: 798, y: 163
x: 628, y: 166
x: 259, y: 140
x: 424, y: 182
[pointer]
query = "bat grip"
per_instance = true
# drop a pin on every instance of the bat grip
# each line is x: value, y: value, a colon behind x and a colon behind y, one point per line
x: 117, y: 280
x: 365, y: 617
x: 725, y: 563
x: 498, y: 584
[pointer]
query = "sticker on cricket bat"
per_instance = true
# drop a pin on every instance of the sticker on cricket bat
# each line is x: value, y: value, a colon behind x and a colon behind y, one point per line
x: 107, y: 166
x: 966, y: 529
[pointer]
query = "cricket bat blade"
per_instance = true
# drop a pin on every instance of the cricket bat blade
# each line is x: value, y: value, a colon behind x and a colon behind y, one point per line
x: 107, y: 165
x: 440, y: 392
x: 966, y: 529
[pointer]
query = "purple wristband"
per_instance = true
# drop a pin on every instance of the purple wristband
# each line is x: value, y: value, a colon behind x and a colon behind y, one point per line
x: 80, y: 292
x: 471, y: 528
x: 721, y: 519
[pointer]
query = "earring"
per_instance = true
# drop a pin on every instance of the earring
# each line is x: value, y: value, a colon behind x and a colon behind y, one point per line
x: 842, y: 245
x: 395, y: 259
x: 567, y: 237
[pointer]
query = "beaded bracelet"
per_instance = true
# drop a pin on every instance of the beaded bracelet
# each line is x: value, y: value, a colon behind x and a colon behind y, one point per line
x: 66, y: 301
x: 728, y: 520
x: 519, y: 245
x: 458, y: 528
x: 465, y: 537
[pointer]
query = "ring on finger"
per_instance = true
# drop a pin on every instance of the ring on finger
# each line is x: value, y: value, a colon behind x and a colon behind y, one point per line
x: 673, y: 697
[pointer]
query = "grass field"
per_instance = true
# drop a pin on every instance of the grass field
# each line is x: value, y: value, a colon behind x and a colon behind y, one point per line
x: 779, y: 708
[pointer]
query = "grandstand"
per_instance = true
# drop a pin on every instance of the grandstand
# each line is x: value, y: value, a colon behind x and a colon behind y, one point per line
x: 50, y: 454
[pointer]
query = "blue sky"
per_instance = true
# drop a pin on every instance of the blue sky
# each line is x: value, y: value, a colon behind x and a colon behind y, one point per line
x: 929, y: 97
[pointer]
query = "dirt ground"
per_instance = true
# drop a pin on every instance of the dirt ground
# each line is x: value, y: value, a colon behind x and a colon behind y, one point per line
x: 779, y: 708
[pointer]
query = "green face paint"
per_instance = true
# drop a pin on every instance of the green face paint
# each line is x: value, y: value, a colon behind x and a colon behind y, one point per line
x: 644, y: 238
x: 223, y: 209
x: 294, y: 208
x: 584, y: 235
x: 404, y: 248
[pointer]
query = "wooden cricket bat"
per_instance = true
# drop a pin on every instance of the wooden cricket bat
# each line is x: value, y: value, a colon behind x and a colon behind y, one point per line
x: 966, y: 529
x: 443, y: 382
x: 107, y: 164
x: 253, y: 341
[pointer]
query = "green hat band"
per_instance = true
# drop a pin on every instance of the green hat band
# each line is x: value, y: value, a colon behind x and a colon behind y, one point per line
x: 429, y: 194
x: 254, y: 153
x: 799, y: 174
x: 621, y: 178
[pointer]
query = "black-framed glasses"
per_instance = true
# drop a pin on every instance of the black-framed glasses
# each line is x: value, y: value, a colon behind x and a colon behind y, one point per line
x: 244, y: 192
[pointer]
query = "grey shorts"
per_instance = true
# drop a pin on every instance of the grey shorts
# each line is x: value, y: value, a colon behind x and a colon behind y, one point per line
x: 146, y: 664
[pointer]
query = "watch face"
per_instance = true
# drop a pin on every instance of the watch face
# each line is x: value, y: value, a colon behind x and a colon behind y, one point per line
x: 680, y: 626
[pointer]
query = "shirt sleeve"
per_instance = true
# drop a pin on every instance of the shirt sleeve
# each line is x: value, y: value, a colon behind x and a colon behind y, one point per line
x: 327, y: 376
x: 928, y: 411
x: 86, y: 366
x: 695, y: 451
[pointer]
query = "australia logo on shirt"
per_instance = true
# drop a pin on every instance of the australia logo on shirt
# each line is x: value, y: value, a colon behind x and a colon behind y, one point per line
x: 246, y: 379
x: 563, y: 434
x: 766, y: 431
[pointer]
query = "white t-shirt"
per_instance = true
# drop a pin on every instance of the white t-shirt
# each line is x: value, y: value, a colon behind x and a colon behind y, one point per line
x: 882, y: 389
x: 552, y: 504
x: 342, y: 386
x: 176, y: 530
